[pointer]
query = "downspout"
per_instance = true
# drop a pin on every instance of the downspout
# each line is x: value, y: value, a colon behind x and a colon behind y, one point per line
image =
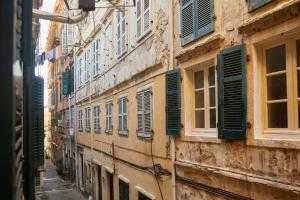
x: 59, y: 18
x: 171, y: 64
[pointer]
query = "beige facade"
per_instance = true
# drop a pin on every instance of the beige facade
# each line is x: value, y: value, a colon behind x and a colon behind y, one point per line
x: 129, y: 68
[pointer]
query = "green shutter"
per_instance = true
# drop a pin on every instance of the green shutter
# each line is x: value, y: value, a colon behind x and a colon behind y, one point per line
x: 38, y: 120
x: 197, y: 19
x: 65, y: 83
x: 254, y: 4
x: 204, y: 17
x: 123, y: 190
x: 232, y: 94
x: 173, y: 102
x: 187, y: 21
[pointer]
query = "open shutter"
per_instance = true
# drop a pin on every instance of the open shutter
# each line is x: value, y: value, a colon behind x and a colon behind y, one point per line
x: 38, y: 121
x: 148, y: 113
x: 232, y: 93
x: 204, y: 17
x: 120, y: 114
x: 254, y: 4
x: 123, y: 30
x: 173, y: 102
x: 70, y: 36
x: 71, y: 80
x: 147, y: 16
x: 98, y: 55
x: 187, y: 21
x: 138, y: 19
x: 140, y: 117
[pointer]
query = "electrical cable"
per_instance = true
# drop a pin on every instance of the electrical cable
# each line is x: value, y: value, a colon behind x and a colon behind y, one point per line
x: 162, y: 197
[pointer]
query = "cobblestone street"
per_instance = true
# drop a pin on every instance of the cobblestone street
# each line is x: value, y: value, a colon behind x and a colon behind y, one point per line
x: 55, y: 188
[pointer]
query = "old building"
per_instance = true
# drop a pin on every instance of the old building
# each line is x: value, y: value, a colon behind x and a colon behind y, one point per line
x: 239, y: 65
x: 123, y: 151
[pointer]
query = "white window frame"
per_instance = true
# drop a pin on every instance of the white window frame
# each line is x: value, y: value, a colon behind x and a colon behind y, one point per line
x: 203, y: 134
x: 87, y: 64
x: 144, y: 31
x: 122, y: 114
x: 109, y: 117
x: 88, y: 119
x: 143, y: 90
x: 97, y: 112
x: 121, y: 31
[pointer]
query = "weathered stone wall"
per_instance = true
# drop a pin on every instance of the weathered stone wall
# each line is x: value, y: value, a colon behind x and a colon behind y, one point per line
x: 261, y: 167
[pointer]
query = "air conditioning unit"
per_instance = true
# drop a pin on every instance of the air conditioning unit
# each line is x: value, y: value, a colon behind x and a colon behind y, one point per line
x: 87, y: 5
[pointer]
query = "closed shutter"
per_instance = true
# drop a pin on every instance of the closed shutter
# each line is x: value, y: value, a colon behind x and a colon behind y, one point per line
x: 204, y: 17
x: 65, y: 81
x: 187, y: 21
x: 148, y: 113
x: 140, y: 117
x: 254, y: 4
x: 147, y: 16
x: 173, y: 102
x: 120, y: 115
x: 138, y: 18
x: 232, y: 93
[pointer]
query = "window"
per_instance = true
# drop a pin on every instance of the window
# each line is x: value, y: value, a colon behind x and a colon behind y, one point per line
x: 80, y: 115
x: 72, y: 116
x: 123, y: 190
x: 110, y: 180
x: 123, y: 116
x: 109, y: 125
x: 88, y: 119
x: 97, y: 119
x: 205, y: 98
x: 144, y: 113
x: 254, y: 4
x: 121, y: 30
x: 87, y: 64
x: 281, y: 78
x: 143, y: 18
x: 197, y: 19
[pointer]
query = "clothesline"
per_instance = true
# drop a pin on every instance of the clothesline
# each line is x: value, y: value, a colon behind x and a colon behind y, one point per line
x: 53, y: 54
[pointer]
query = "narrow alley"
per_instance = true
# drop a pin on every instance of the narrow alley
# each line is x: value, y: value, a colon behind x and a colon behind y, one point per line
x: 55, y: 188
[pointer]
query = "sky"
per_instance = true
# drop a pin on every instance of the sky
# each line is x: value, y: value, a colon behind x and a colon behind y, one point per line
x: 42, y: 70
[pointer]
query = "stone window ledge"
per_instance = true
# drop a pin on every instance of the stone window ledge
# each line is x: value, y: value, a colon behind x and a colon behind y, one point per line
x: 212, y: 42
x: 271, y: 18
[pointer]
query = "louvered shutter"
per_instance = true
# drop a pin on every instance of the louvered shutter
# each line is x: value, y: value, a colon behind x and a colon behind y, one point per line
x: 173, y: 102
x: 138, y: 18
x: 98, y: 58
x: 94, y: 57
x: 232, y: 93
x: 65, y: 76
x: 120, y: 115
x: 123, y: 31
x: 254, y: 4
x: 38, y: 121
x: 140, y: 117
x: 187, y: 21
x: 148, y: 113
x: 119, y: 41
x: 204, y: 17
x: 147, y: 16
x: 70, y: 36
x: 71, y: 80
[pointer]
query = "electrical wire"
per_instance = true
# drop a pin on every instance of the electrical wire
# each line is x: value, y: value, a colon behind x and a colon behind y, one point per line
x: 156, y: 178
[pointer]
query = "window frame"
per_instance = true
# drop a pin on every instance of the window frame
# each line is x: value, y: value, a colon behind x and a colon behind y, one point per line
x: 121, y: 115
x: 292, y: 94
x: 189, y: 102
x: 80, y: 120
x: 275, y: 137
x: 109, y: 127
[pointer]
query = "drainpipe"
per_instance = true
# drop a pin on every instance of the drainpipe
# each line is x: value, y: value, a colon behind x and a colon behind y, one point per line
x: 171, y: 64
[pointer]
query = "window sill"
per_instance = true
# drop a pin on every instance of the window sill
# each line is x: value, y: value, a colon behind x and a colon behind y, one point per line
x: 198, y: 135
x: 123, y: 133
x: 80, y: 130
x: 142, y: 37
x: 88, y: 130
x: 97, y: 130
x: 275, y: 142
x: 96, y: 76
x: 108, y: 132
